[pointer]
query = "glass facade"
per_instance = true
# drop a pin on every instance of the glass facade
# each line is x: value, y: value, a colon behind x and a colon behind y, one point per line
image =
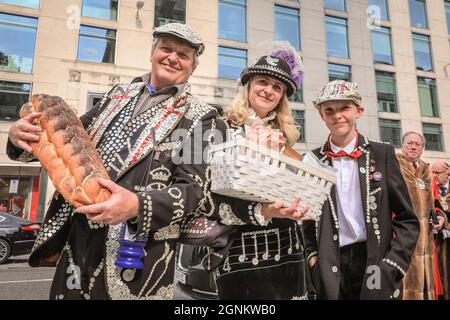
x: 297, y: 96
x: 96, y: 44
x: 12, y: 96
x: 418, y: 14
x: 17, y: 43
x: 381, y: 45
x: 169, y: 11
x: 231, y: 62
x: 390, y: 131
x: 23, y: 3
x: 386, y: 91
x: 232, y: 20
x: 339, y: 72
x: 93, y: 99
x: 428, y: 97
x: 100, y: 9
x: 422, y: 52
x: 433, y: 137
x: 299, y: 118
x: 287, y: 25
x: 336, y: 30
x: 335, y: 4
x: 17, y: 204
x: 379, y: 9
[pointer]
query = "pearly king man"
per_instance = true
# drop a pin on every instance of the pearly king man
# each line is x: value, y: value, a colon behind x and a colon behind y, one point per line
x: 144, y: 132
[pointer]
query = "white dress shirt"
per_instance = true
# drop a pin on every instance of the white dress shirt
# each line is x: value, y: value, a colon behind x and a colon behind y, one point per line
x: 352, y: 226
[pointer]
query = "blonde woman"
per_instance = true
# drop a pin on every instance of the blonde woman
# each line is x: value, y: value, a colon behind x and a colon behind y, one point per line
x: 262, y: 116
x: 264, y: 258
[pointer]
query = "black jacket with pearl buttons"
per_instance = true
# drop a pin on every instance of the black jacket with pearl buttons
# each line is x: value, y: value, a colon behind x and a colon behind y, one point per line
x: 392, y: 227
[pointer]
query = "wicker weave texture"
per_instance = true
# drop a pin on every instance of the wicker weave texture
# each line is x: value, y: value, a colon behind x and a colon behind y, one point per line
x: 245, y: 170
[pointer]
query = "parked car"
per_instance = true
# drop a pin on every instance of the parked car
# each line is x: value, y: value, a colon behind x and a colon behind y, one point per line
x: 17, y: 236
x: 190, y: 275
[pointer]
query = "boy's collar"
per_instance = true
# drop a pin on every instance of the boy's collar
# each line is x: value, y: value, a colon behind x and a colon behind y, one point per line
x: 348, y: 148
x: 353, y: 143
x: 363, y: 142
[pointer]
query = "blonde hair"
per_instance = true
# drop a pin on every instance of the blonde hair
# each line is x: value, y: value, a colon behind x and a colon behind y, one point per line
x: 238, y: 113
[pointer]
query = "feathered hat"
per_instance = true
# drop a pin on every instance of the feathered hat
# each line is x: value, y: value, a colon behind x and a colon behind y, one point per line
x: 278, y: 60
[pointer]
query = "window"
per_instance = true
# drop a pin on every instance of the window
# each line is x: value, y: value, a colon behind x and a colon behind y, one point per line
x: 101, y: 9
x: 17, y: 43
x: 433, y: 137
x: 97, y: 44
x: 447, y: 10
x: 12, y: 96
x: 381, y: 45
x: 379, y: 9
x: 299, y: 118
x: 428, y: 97
x: 231, y: 62
x: 418, y: 14
x: 336, y: 37
x: 335, y: 4
x: 422, y: 52
x: 390, y: 131
x: 386, y: 92
x: 18, y: 203
x: 339, y: 72
x: 287, y: 25
x: 24, y: 3
x: 93, y: 99
x: 297, y: 96
x: 232, y: 20
x: 167, y: 11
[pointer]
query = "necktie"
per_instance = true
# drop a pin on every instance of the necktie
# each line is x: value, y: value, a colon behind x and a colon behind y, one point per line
x: 416, y: 169
x: 443, y: 191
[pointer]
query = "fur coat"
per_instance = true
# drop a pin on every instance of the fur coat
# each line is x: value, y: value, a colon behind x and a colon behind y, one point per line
x: 418, y: 283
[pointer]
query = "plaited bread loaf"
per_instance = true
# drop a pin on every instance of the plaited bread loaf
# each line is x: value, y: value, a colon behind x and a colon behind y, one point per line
x: 66, y: 152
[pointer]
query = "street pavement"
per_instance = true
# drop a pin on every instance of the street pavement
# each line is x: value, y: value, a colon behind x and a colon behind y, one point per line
x: 18, y: 281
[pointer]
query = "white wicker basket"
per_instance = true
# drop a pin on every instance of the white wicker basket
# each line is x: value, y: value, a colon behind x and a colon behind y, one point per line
x: 243, y: 169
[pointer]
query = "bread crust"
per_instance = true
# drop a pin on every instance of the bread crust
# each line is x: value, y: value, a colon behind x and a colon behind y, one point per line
x: 66, y: 152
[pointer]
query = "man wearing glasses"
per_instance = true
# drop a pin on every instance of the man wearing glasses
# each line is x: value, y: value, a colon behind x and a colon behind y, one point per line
x: 419, y: 282
x: 441, y: 174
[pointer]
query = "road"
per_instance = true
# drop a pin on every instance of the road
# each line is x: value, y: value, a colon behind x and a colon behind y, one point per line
x: 18, y: 281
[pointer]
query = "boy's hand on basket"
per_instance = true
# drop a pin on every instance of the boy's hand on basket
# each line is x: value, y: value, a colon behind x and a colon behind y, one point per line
x: 276, y: 210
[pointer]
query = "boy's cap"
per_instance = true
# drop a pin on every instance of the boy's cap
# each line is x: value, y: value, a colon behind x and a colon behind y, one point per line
x: 338, y: 90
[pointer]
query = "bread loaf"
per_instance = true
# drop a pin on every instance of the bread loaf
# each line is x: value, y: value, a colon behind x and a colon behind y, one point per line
x: 66, y: 151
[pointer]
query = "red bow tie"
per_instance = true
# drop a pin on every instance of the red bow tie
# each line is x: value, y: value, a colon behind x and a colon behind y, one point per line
x: 354, y: 154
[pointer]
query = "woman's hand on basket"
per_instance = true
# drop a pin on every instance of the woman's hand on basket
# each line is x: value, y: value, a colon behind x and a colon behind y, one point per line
x: 276, y: 210
x: 271, y: 138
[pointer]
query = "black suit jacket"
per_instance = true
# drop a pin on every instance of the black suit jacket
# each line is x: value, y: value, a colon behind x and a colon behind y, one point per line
x: 390, y: 240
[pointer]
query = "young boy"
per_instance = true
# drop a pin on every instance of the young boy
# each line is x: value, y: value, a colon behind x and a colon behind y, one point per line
x: 352, y: 251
